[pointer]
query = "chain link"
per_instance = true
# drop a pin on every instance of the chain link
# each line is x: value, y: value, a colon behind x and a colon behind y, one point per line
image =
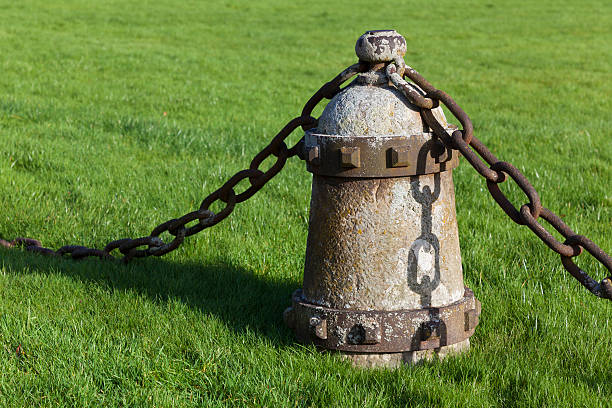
x: 426, y: 97
x: 204, y: 217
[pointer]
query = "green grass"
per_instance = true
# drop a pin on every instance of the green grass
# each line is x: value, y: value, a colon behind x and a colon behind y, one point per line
x: 117, y: 115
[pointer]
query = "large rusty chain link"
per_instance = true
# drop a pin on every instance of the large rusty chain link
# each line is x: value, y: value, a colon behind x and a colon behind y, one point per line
x: 204, y: 217
x: 427, y: 97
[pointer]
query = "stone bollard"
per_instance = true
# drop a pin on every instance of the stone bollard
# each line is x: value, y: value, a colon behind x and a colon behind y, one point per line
x: 383, y: 282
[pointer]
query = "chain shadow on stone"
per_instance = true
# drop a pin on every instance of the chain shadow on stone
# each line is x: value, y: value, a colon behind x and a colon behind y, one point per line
x: 225, y: 289
x: 427, y: 244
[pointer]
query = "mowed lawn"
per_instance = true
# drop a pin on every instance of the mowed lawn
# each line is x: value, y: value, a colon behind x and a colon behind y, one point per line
x: 118, y: 115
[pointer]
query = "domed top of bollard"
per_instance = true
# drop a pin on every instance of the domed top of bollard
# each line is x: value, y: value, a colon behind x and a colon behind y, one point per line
x: 370, y: 105
x: 380, y: 46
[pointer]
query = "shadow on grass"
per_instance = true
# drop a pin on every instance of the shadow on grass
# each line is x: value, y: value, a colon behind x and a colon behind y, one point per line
x: 234, y: 294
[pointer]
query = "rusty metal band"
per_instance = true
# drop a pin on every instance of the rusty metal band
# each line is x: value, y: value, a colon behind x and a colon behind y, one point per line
x: 601, y: 289
x: 384, y: 331
x: 377, y: 156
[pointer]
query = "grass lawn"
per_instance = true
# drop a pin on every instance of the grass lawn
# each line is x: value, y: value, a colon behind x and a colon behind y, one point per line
x: 118, y: 115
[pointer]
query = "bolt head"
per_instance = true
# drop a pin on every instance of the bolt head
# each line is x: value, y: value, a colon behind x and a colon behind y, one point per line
x: 430, y: 331
x: 399, y: 156
x: 471, y: 319
x: 356, y: 335
x: 313, y: 155
x: 350, y: 157
x: 318, y: 327
x: 380, y: 46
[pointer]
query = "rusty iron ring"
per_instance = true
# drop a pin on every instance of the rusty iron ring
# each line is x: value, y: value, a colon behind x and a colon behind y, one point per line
x: 79, y: 252
x: 111, y: 246
x: 174, y: 226
x: 437, y: 127
x: 389, y: 331
x: 41, y: 250
x: 534, y: 199
x: 282, y: 154
x: 412, y: 94
x: 478, y: 165
x: 84, y: 252
x: 601, y: 289
x: 227, y: 210
x: 129, y: 246
x: 558, y: 224
x: 27, y: 242
x: 422, y: 154
x: 453, y: 107
x: 175, y: 243
x: 250, y: 174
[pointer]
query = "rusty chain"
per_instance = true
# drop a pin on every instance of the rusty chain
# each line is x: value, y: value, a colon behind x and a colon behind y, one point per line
x: 427, y: 97
x: 203, y: 217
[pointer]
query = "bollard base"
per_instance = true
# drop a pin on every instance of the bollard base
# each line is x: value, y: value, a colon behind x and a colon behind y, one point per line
x: 396, y: 360
x: 399, y: 335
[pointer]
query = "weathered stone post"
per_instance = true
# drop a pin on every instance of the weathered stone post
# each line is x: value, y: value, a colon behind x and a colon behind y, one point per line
x: 383, y: 281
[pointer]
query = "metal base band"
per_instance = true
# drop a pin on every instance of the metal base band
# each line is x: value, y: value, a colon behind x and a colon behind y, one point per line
x: 383, y: 331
